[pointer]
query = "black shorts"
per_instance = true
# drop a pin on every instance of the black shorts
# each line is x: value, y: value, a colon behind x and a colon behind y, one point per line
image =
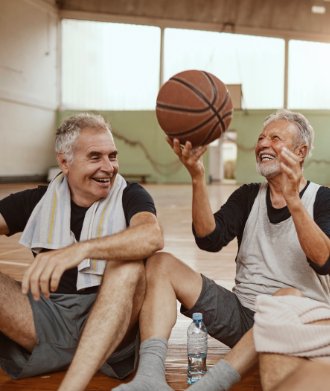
x: 223, y: 314
x: 59, y: 322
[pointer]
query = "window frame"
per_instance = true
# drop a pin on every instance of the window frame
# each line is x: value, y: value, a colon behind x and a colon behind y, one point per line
x: 287, y: 35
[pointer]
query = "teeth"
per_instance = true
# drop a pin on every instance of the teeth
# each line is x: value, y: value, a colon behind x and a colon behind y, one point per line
x: 102, y: 180
x: 266, y: 157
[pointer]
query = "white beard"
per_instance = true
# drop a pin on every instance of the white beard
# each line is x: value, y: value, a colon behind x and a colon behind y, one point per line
x: 269, y: 170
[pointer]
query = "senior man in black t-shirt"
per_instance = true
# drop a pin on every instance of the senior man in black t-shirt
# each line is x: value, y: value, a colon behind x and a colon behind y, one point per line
x: 283, y: 230
x: 88, y: 213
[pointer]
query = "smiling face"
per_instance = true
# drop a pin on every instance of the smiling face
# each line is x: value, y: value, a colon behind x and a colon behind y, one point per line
x: 94, y: 167
x: 274, y: 137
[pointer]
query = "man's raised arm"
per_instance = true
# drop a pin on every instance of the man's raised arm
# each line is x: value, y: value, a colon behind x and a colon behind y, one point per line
x: 202, y: 215
x: 313, y: 240
x: 140, y: 240
x: 4, y: 230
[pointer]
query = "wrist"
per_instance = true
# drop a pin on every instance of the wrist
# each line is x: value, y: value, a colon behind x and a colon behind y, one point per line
x: 84, y: 249
x: 196, y: 179
x: 294, y: 204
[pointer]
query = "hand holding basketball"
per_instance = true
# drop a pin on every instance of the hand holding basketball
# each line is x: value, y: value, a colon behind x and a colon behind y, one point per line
x: 190, y: 157
x: 194, y: 106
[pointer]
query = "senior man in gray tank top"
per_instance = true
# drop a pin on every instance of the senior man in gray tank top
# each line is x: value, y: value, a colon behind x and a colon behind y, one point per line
x: 282, y: 227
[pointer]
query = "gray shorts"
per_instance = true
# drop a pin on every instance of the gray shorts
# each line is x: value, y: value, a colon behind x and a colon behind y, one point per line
x: 59, y: 322
x: 223, y: 315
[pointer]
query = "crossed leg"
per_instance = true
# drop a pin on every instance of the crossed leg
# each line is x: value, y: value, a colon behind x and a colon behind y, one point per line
x: 112, y: 323
x: 16, y: 320
x: 111, y: 326
x: 169, y: 280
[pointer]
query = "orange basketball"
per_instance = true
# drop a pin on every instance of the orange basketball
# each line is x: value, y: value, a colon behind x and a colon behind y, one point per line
x: 194, y: 106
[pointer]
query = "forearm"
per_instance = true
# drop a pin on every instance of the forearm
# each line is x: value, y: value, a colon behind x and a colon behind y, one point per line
x: 134, y: 243
x: 202, y: 215
x: 4, y: 230
x: 314, y: 242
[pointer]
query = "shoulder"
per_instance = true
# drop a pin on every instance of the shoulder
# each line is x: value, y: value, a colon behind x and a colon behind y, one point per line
x: 136, y: 199
x: 247, y: 191
x: 323, y: 192
x: 133, y: 187
x: 17, y: 208
x: 134, y: 191
x: 322, y: 199
x: 26, y: 198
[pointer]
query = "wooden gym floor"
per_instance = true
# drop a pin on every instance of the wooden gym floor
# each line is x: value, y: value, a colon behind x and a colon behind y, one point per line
x: 173, y: 204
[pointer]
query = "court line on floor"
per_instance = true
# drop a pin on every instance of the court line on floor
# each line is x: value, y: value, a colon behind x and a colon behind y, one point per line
x: 13, y: 251
x: 178, y: 240
x: 14, y: 263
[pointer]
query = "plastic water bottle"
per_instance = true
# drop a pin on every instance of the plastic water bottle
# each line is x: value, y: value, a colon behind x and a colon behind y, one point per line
x: 196, y: 348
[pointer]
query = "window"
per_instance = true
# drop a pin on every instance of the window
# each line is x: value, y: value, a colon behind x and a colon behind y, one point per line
x: 255, y: 62
x: 309, y: 76
x: 109, y: 66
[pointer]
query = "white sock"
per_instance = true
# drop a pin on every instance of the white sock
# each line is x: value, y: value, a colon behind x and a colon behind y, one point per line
x: 150, y: 375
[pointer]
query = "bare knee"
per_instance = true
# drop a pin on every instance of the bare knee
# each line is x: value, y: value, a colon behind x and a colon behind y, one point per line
x: 160, y: 265
x: 288, y: 292
x: 128, y: 273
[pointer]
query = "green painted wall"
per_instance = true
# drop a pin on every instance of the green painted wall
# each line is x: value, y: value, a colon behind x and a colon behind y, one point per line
x: 249, y: 126
x: 142, y: 126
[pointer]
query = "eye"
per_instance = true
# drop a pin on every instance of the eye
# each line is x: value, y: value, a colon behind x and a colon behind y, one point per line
x: 113, y: 157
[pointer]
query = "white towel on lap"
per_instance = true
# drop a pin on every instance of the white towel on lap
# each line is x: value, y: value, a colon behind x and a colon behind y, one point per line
x: 282, y: 325
x: 49, y: 225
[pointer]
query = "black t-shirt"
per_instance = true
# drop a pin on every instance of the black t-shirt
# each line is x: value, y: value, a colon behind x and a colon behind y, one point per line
x: 231, y: 218
x: 17, y: 208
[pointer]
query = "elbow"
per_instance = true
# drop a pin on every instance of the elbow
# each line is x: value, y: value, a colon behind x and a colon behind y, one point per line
x: 156, y: 242
x: 322, y: 267
x: 209, y: 247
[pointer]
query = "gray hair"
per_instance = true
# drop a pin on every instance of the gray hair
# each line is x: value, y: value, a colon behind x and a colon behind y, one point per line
x: 68, y: 132
x: 306, y: 132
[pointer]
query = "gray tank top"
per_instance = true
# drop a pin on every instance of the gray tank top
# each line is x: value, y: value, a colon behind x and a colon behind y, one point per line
x: 270, y: 256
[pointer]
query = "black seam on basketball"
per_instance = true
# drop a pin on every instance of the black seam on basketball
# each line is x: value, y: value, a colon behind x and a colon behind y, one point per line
x: 210, y: 134
x: 213, y: 87
x: 211, y: 107
x: 192, y: 89
x: 203, y: 97
x: 227, y: 114
x: 221, y: 107
x: 193, y: 129
x: 160, y: 105
x: 204, y: 123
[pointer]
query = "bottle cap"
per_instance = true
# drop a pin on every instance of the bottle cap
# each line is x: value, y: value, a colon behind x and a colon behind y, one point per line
x: 197, y: 316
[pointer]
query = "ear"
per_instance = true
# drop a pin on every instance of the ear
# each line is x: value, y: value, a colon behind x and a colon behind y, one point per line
x: 301, y: 151
x: 63, y: 163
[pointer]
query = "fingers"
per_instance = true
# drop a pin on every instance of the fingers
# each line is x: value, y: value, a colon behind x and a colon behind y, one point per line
x: 31, y: 278
x: 56, y: 276
x: 286, y: 170
x: 289, y: 157
x: 186, y: 150
x: 198, y: 152
x: 42, y: 272
x: 169, y: 141
x: 178, y: 149
x: 26, y: 277
x: 44, y: 279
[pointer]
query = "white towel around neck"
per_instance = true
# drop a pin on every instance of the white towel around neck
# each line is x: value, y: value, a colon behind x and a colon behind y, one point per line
x: 49, y: 225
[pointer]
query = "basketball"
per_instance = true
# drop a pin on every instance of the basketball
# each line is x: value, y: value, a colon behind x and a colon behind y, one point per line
x: 194, y: 106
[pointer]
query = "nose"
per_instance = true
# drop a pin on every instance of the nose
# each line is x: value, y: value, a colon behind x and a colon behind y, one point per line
x: 107, y: 166
x: 264, y: 142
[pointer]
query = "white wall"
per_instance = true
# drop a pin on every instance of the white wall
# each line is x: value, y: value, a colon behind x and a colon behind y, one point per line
x: 28, y: 86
